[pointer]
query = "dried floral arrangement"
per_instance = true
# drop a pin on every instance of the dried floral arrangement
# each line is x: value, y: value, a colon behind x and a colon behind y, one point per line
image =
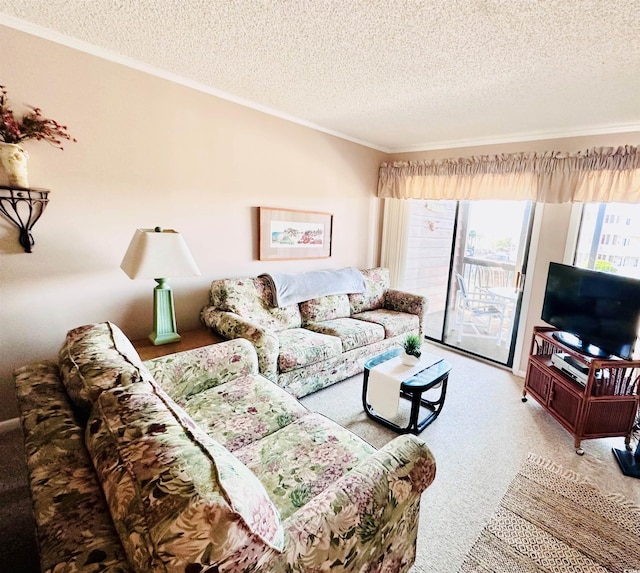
x: 32, y: 125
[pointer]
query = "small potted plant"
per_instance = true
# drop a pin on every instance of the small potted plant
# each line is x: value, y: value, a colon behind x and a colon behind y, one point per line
x: 412, y: 349
x: 14, y: 130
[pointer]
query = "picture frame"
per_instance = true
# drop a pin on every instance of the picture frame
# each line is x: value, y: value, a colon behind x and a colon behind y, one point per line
x: 288, y: 234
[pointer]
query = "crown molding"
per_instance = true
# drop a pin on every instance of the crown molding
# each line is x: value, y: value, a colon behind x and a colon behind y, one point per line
x: 521, y: 137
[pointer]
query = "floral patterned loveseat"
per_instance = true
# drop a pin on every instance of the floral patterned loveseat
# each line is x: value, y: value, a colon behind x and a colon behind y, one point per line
x: 307, y: 346
x: 196, y: 463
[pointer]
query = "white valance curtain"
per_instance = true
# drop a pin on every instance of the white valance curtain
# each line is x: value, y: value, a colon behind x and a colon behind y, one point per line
x: 599, y: 175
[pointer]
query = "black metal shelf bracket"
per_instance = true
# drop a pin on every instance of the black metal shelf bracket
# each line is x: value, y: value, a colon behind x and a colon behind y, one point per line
x: 23, y: 207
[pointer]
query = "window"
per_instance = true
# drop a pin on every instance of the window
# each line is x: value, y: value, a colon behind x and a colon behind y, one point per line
x: 612, y: 219
x: 600, y: 249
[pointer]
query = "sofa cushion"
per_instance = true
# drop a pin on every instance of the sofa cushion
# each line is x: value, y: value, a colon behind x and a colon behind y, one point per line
x: 325, y: 308
x: 394, y: 323
x: 252, y: 298
x: 96, y: 357
x: 303, y: 459
x: 179, y: 500
x: 243, y: 410
x: 352, y: 333
x: 377, y: 281
x: 300, y: 347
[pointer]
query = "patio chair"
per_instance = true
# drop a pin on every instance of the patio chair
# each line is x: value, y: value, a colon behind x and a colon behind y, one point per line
x: 477, y: 313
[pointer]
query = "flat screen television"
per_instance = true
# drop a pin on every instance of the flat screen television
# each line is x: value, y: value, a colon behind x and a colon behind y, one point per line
x: 596, y: 313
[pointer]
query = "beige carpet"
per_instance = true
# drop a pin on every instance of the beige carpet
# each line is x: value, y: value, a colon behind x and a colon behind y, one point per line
x: 553, y: 520
x: 481, y: 439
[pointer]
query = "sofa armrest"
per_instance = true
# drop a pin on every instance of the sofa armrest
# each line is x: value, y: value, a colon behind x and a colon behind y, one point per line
x: 407, y: 302
x: 370, y: 514
x: 231, y: 326
x: 187, y: 373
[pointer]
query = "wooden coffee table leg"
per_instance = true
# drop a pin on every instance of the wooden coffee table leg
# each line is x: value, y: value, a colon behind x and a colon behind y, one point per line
x: 416, y: 399
x: 435, y: 407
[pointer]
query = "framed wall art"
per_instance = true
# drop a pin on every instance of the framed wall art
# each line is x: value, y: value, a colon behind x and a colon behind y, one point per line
x: 291, y: 234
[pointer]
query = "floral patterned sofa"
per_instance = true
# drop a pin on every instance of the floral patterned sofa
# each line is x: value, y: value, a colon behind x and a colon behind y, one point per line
x: 194, y: 462
x: 305, y: 347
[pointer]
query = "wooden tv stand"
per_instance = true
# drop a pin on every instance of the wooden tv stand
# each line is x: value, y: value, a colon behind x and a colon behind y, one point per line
x: 605, y: 406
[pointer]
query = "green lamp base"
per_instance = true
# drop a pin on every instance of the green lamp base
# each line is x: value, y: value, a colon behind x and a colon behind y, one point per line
x: 164, y: 316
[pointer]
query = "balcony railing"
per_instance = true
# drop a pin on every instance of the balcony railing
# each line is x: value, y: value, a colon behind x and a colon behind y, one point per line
x: 488, y: 273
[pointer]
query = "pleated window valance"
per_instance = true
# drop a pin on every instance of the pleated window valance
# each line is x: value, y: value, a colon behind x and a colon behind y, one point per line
x: 596, y: 175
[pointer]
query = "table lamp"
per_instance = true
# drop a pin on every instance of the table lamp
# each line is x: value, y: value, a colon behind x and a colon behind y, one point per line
x: 155, y: 253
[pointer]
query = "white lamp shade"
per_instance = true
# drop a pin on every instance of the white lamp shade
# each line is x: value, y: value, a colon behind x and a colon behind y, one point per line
x: 156, y: 253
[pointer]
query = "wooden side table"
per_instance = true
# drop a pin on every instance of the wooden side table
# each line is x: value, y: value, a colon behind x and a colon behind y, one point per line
x: 190, y: 339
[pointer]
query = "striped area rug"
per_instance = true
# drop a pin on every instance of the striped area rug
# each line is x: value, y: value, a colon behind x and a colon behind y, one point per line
x: 551, y: 520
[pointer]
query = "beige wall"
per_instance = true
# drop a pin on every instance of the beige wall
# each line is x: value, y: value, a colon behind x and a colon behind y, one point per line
x: 151, y: 152
x: 553, y: 226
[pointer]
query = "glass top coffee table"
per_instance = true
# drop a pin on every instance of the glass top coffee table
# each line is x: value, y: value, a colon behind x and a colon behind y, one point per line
x: 433, y: 378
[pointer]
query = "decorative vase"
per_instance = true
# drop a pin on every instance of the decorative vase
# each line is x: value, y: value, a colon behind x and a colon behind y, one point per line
x: 14, y: 162
x: 409, y: 359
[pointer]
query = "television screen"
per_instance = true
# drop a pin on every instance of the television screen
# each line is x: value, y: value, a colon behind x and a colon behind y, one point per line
x: 599, y: 311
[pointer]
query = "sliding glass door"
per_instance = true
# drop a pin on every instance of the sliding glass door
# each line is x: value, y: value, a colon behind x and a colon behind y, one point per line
x: 468, y: 259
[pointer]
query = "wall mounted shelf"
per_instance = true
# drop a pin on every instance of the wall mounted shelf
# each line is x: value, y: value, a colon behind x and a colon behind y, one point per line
x: 23, y: 207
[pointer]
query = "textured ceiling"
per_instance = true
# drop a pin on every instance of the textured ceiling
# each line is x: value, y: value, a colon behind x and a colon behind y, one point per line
x: 395, y: 75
